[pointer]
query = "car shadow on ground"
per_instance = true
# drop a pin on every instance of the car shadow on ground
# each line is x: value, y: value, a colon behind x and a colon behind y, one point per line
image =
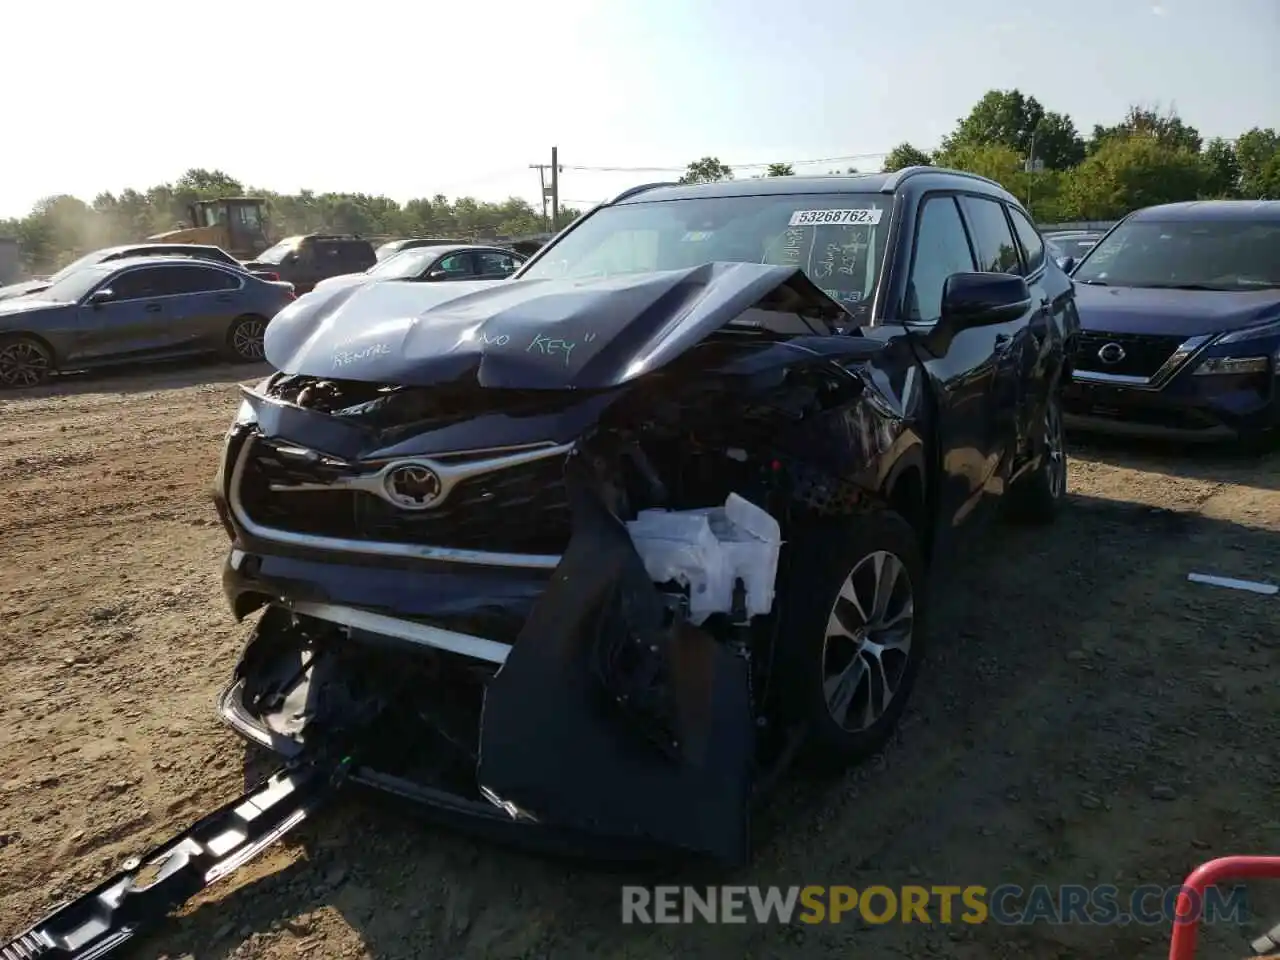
x: 1254, y: 465
x: 1080, y: 697
x: 141, y: 378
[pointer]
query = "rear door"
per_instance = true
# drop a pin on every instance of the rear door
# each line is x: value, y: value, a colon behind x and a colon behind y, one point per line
x: 133, y: 323
x: 961, y: 368
x: 203, y: 306
x: 1013, y: 350
x: 1052, y: 305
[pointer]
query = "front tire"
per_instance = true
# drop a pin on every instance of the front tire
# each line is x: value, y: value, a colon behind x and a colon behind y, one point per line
x: 852, y: 633
x: 1035, y: 498
x: 24, y: 362
x: 246, y: 340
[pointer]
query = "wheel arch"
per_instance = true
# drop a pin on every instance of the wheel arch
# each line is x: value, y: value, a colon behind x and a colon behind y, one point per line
x: 906, y: 491
x: 10, y: 335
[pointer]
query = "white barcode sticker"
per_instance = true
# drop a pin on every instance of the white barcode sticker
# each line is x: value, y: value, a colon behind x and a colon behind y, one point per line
x: 830, y: 218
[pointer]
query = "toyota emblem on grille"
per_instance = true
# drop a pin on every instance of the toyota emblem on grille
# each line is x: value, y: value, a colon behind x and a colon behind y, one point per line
x: 1111, y: 353
x: 412, y: 486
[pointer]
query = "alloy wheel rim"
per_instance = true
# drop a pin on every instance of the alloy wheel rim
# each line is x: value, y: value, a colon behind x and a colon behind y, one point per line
x: 248, y: 339
x: 22, y: 365
x: 1055, y: 449
x: 868, y: 641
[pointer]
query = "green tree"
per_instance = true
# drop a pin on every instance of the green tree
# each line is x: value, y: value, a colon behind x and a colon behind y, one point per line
x: 905, y: 155
x: 1133, y: 171
x: 1167, y: 128
x: 778, y: 170
x: 1011, y: 119
x: 61, y: 228
x: 1223, y: 169
x: 707, y: 170
x: 1257, y: 151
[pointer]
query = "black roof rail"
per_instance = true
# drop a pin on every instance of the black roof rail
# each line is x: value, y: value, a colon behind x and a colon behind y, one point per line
x: 632, y: 191
x: 898, y: 176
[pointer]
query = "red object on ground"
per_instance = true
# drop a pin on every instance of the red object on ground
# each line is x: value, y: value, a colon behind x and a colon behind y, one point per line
x: 1186, y: 925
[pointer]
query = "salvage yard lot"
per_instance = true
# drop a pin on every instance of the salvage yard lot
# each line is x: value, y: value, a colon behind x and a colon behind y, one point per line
x: 1087, y: 716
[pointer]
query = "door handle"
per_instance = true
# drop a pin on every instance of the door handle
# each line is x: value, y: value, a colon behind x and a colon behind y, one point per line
x: 224, y: 298
x: 153, y: 308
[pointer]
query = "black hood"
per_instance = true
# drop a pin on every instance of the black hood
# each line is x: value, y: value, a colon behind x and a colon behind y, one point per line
x: 538, y: 334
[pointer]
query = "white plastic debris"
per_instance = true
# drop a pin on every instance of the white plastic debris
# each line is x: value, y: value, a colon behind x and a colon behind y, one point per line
x: 709, y: 550
x: 1231, y: 583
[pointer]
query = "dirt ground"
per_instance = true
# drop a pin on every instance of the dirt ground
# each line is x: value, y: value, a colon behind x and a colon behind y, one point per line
x: 1087, y: 716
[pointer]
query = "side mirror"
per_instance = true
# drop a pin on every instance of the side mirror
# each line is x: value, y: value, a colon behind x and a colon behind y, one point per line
x: 289, y: 259
x: 99, y: 297
x: 980, y: 299
x: 437, y: 274
x: 1066, y: 264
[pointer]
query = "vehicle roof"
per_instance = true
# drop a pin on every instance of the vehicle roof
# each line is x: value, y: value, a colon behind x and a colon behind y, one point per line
x: 849, y: 183
x: 166, y: 260
x: 1191, y: 210
x: 160, y: 245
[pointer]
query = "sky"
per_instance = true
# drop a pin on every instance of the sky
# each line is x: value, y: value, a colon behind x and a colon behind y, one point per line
x: 417, y: 98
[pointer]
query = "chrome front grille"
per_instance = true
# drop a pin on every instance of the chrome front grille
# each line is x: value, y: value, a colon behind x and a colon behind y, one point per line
x: 1143, y: 355
x: 1140, y: 361
x: 506, y: 504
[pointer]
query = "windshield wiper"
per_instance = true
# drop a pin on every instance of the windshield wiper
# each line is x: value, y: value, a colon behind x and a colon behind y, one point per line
x: 1095, y: 283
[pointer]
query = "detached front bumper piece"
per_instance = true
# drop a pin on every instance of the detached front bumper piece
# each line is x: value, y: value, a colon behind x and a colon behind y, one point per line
x: 142, y: 895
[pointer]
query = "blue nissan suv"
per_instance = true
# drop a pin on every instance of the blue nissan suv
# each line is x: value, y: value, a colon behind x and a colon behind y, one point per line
x: 1180, y: 315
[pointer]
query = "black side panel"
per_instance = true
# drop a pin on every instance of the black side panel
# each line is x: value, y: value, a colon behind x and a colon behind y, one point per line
x: 604, y: 719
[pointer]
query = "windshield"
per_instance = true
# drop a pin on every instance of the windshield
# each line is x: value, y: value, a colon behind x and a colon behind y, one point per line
x: 837, y: 239
x: 1200, y: 254
x: 75, y: 285
x: 277, y: 253
x: 407, y: 263
x: 387, y: 250
x: 88, y: 260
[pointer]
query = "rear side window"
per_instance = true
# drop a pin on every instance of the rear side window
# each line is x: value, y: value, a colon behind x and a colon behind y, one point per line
x: 456, y: 265
x: 496, y: 264
x: 198, y: 280
x: 356, y: 254
x: 942, y: 248
x: 1029, y: 237
x: 997, y: 250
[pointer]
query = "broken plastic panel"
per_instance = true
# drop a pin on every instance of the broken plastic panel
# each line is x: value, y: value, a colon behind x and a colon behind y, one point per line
x: 709, y: 550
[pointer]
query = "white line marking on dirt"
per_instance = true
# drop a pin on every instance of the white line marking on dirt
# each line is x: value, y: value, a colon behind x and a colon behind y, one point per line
x: 1252, y: 586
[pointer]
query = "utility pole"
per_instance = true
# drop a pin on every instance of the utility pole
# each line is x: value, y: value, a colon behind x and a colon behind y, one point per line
x: 555, y: 189
x: 543, y: 192
x: 1032, y: 166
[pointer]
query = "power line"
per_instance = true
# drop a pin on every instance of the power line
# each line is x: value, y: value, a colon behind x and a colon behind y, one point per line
x: 731, y: 166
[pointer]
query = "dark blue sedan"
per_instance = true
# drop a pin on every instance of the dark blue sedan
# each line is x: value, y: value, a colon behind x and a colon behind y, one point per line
x: 134, y: 310
x: 1180, y: 314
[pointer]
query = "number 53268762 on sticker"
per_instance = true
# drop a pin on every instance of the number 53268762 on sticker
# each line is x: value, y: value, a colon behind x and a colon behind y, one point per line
x: 827, y: 218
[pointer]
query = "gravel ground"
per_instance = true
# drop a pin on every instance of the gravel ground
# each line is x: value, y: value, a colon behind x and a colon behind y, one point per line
x: 1087, y: 716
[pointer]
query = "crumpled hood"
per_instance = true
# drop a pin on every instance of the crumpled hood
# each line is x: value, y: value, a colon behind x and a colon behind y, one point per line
x: 340, y: 281
x: 528, y: 334
x: 1183, y: 313
x: 22, y: 289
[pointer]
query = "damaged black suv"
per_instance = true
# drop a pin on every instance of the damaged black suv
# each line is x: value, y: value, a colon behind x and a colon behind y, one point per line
x: 592, y: 553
